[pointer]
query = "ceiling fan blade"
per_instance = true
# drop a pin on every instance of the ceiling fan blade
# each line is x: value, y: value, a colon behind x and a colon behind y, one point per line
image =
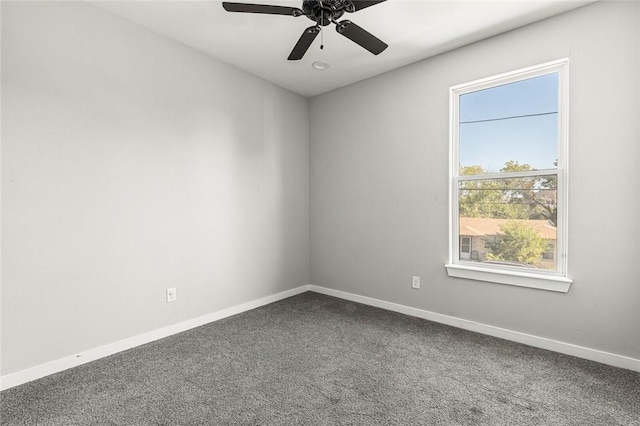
x: 361, y: 37
x: 361, y: 4
x: 303, y: 43
x: 261, y: 8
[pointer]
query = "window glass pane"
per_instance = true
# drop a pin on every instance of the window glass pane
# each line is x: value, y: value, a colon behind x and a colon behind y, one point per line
x: 510, y: 221
x: 511, y: 123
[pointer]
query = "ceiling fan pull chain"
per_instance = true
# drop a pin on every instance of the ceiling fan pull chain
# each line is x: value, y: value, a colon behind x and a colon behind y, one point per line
x: 321, y: 31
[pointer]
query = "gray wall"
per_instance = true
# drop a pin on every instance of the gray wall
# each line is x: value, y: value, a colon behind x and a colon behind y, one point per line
x: 379, y: 192
x: 131, y: 163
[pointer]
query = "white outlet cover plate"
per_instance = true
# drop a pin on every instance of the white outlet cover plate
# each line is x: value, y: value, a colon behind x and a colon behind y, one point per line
x: 415, y: 282
x: 171, y: 294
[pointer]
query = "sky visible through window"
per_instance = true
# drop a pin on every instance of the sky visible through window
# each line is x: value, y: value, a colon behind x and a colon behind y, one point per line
x: 512, y: 122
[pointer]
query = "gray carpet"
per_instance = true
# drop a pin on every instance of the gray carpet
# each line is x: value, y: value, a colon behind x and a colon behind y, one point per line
x: 317, y: 360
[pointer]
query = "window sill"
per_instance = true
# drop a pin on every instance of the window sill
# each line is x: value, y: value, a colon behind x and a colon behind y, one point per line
x: 517, y: 278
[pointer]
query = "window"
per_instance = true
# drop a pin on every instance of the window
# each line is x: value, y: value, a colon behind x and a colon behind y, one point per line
x: 508, y: 178
x: 465, y: 247
x: 549, y: 253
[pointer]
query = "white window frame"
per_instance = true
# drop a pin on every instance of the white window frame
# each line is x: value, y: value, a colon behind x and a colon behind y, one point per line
x: 524, y: 277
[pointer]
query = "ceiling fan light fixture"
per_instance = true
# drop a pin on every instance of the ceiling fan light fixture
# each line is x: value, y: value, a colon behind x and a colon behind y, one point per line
x: 320, y: 66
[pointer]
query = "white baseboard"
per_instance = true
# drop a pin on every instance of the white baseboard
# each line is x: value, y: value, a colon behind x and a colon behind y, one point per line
x: 24, y: 376
x: 515, y: 336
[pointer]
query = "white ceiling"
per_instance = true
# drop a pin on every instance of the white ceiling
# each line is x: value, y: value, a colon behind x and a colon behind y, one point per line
x: 260, y: 44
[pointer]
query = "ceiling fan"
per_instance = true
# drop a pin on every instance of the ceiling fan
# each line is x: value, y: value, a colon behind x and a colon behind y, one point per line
x: 322, y: 12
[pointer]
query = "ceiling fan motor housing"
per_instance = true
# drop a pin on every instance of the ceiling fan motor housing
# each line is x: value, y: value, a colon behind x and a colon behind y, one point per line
x: 323, y: 12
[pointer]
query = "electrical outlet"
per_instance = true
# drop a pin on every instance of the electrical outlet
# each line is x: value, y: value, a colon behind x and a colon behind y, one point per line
x: 415, y: 282
x: 171, y: 294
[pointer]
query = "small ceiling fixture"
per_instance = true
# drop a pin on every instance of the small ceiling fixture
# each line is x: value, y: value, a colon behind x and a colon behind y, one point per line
x: 322, y: 13
x: 320, y: 66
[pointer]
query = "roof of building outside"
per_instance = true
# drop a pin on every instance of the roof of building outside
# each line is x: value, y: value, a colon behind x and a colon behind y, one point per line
x: 484, y: 226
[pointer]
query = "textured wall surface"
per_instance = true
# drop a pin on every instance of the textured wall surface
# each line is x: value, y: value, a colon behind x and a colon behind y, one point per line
x: 130, y: 164
x: 379, y: 191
